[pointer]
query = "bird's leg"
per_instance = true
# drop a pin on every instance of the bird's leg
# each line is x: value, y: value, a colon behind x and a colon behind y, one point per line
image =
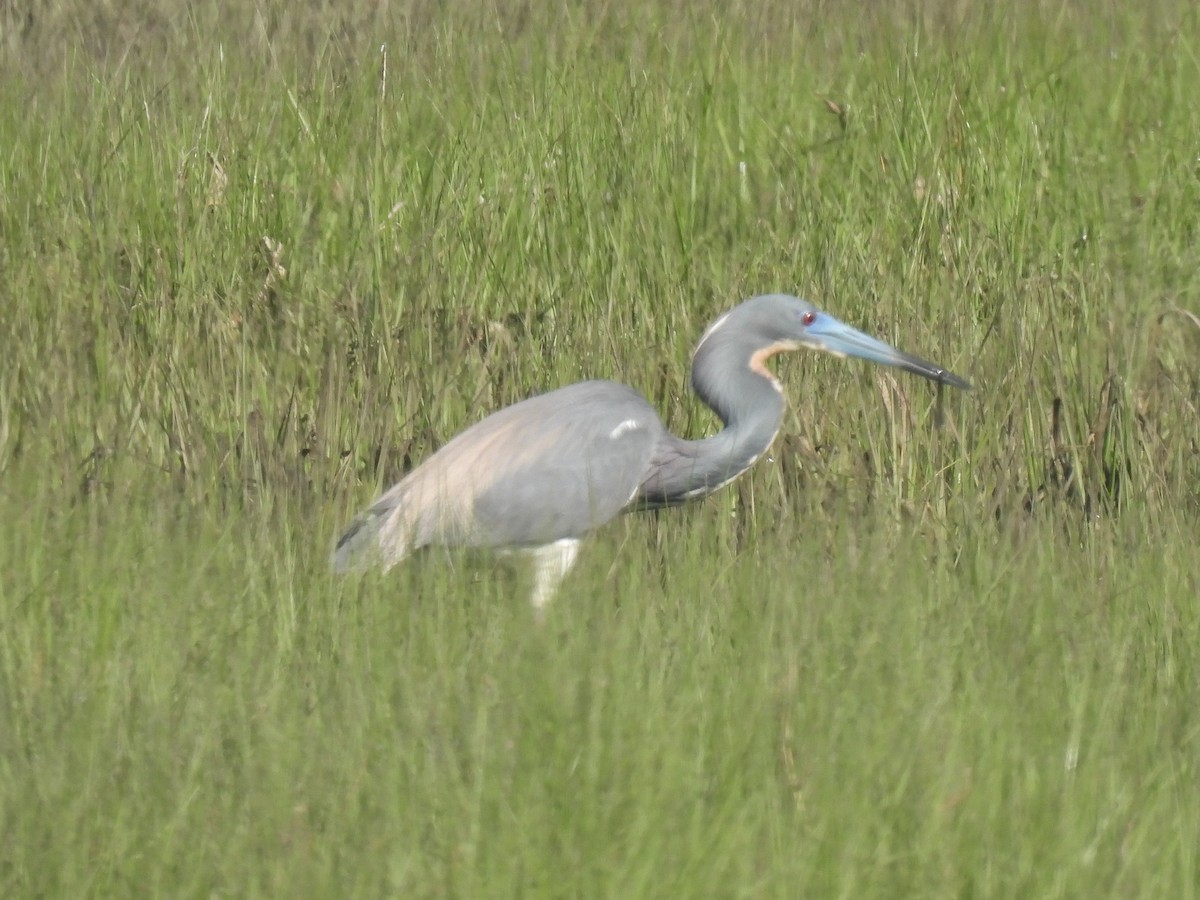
x: 551, y: 563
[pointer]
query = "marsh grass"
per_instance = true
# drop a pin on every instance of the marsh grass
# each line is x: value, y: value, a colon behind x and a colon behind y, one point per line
x: 259, y: 262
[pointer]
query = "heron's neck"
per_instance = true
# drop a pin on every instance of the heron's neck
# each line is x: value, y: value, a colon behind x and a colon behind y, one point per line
x: 750, y: 404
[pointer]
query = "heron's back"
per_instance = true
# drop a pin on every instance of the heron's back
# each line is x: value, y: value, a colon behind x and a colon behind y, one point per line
x: 550, y: 467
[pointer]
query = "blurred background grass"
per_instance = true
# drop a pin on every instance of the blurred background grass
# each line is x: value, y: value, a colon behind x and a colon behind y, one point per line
x: 258, y: 260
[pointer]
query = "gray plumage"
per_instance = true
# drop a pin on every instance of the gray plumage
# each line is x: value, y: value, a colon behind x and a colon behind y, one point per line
x: 540, y: 474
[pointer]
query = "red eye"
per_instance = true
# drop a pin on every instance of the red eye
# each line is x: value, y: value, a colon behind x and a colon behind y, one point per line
x: 808, y: 318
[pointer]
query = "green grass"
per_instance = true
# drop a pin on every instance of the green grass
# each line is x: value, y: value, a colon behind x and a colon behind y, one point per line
x: 256, y: 262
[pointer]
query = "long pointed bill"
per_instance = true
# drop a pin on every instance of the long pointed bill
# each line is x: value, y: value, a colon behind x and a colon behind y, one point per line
x: 828, y: 334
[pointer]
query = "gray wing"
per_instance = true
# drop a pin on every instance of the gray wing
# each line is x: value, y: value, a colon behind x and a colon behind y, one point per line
x: 577, y: 458
x: 554, y: 466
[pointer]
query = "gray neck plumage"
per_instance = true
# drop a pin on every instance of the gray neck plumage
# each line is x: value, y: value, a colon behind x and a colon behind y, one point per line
x: 750, y: 404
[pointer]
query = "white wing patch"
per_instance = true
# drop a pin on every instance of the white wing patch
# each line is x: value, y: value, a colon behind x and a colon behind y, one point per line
x: 624, y: 428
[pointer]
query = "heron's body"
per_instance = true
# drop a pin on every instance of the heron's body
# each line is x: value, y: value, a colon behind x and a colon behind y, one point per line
x: 542, y: 473
x: 501, y: 483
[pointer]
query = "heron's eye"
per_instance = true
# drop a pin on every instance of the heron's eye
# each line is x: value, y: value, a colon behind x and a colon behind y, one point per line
x: 808, y: 318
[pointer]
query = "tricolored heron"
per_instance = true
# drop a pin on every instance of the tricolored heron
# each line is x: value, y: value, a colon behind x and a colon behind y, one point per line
x: 540, y: 474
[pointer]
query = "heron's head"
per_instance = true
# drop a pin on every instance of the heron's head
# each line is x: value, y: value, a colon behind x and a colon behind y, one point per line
x: 774, y: 323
